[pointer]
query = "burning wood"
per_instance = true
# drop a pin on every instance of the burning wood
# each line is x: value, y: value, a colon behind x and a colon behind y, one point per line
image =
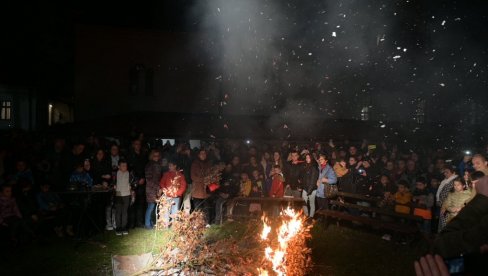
x: 287, y: 253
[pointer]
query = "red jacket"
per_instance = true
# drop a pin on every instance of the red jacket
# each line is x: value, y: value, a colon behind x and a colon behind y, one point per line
x: 277, y: 186
x: 174, y: 182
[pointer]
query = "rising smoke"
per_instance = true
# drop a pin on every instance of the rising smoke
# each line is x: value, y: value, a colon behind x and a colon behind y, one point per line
x: 329, y: 59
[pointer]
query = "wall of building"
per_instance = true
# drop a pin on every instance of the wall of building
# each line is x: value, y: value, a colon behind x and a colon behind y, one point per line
x: 106, y: 58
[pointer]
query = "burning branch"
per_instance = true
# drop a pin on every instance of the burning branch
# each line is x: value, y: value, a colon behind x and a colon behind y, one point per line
x: 288, y: 252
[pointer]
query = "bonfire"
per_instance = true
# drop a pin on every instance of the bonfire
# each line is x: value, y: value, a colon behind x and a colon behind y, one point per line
x: 287, y: 252
x: 267, y: 251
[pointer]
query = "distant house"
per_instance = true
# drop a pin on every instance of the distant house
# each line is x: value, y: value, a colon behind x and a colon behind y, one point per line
x: 18, y: 108
x: 23, y: 108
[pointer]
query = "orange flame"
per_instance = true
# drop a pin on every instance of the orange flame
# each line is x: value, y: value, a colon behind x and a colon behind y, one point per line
x: 291, y: 225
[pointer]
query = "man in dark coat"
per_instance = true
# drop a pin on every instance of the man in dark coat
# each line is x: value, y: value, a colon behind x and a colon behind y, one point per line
x: 137, y: 160
x: 153, y: 174
x: 292, y: 174
x: 200, y: 169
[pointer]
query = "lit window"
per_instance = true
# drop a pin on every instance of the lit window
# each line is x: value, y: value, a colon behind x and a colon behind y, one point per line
x: 6, y: 110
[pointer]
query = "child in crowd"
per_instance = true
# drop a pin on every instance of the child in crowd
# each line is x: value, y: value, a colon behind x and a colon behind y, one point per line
x: 456, y: 200
x: 256, y: 191
x: 81, y: 177
x: 10, y: 215
x: 172, y: 186
x: 257, y: 183
x: 246, y: 185
x: 124, y: 179
x: 385, y: 191
x: 423, y: 201
x: 403, y: 198
x: 50, y: 205
x: 277, y: 184
x: 277, y: 188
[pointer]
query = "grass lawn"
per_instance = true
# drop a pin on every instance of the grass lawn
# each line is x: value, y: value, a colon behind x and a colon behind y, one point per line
x: 336, y: 251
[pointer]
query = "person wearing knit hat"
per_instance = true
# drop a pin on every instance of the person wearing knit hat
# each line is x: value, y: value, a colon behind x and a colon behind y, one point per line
x: 467, y: 233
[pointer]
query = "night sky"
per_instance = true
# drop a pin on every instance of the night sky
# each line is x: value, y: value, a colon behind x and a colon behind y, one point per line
x: 309, y: 58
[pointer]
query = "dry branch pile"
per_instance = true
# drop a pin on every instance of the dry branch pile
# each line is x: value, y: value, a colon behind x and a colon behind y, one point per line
x: 190, y: 252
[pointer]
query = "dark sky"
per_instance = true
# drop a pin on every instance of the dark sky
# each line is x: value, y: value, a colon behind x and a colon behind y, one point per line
x: 284, y: 57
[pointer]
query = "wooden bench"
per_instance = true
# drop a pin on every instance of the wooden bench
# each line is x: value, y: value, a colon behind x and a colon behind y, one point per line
x: 359, y: 197
x: 401, y: 228
x: 231, y: 203
x: 376, y: 210
x: 409, y: 227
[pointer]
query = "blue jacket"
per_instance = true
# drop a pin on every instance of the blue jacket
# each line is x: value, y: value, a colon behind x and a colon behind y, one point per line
x: 330, y: 174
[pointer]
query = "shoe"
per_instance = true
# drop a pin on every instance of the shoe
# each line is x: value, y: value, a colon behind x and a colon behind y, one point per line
x: 207, y: 226
x: 109, y: 228
x: 148, y: 227
x: 125, y: 232
x: 118, y: 233
x: 386, y: 237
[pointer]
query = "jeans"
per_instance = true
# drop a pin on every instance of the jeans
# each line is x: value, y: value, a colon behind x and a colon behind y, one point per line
x: 149, y: 211
x: 175, y: 207
x: 187, y: 203
x: 219, y: 202
x: 310, y: 200
x: 121, y: 210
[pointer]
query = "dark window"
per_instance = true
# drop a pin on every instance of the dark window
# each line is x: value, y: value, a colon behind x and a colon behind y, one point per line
x: 6, y: 110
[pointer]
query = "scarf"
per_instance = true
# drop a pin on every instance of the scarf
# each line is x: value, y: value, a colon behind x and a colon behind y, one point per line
x: 443, y: 184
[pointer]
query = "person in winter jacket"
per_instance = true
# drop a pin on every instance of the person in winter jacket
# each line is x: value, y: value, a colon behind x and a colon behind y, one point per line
x: 403, y: 198
x: 327, y: 176
x: 137, y: 159
x: 200, y: 168
x: 443, y: 191
x: 124, y: 186
x: 456, y: 200
x: 277, y: 186
x: 292, y: 174
x: 153, y: 173
x: 308, y: 180
x: 423, y: 201
x: 173, y: 186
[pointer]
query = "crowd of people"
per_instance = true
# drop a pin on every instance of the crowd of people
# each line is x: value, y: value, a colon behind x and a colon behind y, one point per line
x: 136, y: 172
